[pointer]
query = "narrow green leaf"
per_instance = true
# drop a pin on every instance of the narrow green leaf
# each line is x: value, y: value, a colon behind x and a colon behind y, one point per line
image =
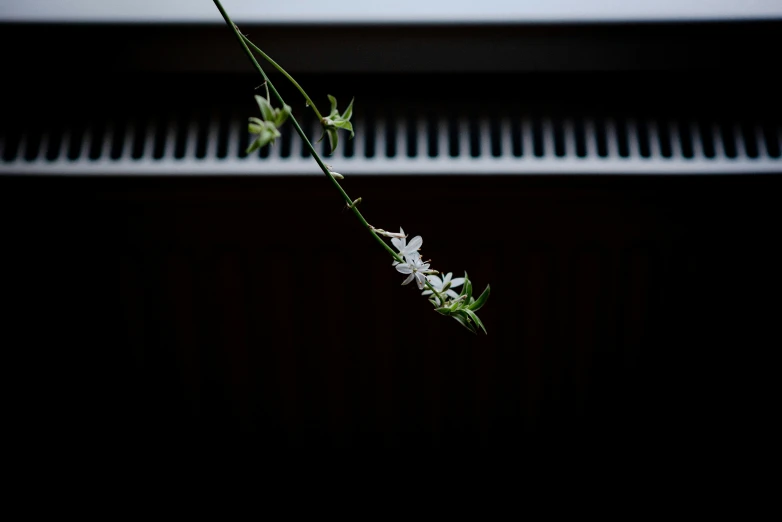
x: 349, y: 111
x: 333, y: 101
x: 467, y: 290
x: 464, y: 323
x: 481, y: 300
x: 333, y: 139
x: 443, y: 310
x: 474, y: 317
x: 266, y: 109
x: 464, y: 285
x: 254, y: 146
x: 344, y: 125
x: 282, y: 115
x: 267, y: 135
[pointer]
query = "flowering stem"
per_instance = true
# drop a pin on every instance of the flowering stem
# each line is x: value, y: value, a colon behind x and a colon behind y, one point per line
x: 284, y: 73
x: 315, y: 155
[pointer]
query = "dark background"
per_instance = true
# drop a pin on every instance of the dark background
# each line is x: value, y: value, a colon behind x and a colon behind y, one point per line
x: 620, y: 308
x: 627, y: 309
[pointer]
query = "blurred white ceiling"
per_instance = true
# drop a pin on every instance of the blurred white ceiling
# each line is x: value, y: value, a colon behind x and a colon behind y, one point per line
x: 397, y: 11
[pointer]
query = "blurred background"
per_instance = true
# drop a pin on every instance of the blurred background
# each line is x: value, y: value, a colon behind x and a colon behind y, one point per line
x: 611, y: 170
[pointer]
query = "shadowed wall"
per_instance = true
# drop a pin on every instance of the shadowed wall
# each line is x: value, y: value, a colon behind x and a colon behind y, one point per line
x: 619, y: 308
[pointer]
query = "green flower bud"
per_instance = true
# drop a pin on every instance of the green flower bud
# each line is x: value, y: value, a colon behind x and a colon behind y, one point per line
x: 335, y: 121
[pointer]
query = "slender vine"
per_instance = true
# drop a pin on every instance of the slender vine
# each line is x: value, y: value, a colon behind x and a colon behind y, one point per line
x: 407, y: 259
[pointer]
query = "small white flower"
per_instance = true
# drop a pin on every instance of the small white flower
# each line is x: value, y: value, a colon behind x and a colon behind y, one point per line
x: 416, y: 270
x: 439, y: 284
x: 407, y: 249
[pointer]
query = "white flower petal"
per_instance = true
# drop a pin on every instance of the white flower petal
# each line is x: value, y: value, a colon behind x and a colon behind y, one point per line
x: 409, y: 278
x: 415, y: 243
x: 419, y: 278
x: 399, y: 244
x: 447, y: 277
x: 435, y: 281
x: 403, y: 268
x: 456, y: 282
x: 452, y: 293
x: 426, y: 292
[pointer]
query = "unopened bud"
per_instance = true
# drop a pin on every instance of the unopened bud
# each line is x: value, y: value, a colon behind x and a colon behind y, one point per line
x: 388, y: 234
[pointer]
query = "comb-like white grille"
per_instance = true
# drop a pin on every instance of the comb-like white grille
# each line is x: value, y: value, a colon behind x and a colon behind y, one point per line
x: 213, y: 143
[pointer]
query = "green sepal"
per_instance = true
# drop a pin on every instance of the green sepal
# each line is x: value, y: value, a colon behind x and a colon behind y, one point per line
x: 443, y: 310
x: 333, y: 101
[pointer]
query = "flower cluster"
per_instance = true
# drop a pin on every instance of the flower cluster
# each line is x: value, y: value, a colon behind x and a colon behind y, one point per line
x: 335, y: 121
x: 443, y: 286
x: 447, y: 302
x: 266, y: 127
x: 413, y: 266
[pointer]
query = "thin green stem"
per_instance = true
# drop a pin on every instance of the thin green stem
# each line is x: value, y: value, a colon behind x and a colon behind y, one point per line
x: 284, y: 73
x: 301, y: 133
x: 435, y: 292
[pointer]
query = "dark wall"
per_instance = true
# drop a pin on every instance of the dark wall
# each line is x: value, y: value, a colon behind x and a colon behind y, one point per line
x: 624, y: 309
x: 621, y: 309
